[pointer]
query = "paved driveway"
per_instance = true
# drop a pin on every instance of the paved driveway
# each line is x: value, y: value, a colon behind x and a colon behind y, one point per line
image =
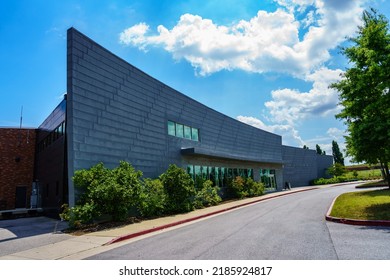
x: 26, y: 233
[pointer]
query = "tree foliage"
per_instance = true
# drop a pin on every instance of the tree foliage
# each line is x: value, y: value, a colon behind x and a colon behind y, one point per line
x: 207, y: 195
x: 364, y: 92
x: 179, y: 188
x: 337, y: 170
x: 337, y: 154
x: 319, y: 150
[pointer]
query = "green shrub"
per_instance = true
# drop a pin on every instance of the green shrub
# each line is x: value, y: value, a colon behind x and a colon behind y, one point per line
x: 207, y: 195
x: 334, y: 180
x: 254, y: 188
x: 337, y: 170
x: 179, y: 188
x: 78, y: 215
x: 238, y: 187
x: 105, y: 192
x: 152, y: 200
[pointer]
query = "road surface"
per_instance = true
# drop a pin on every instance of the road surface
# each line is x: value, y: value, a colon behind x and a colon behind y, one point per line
x: 288, y: 227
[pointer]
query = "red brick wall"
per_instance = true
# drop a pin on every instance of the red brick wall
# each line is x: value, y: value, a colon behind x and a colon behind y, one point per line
x: 17, y: 151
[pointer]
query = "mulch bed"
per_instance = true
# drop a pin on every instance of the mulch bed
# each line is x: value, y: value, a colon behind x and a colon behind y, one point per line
x: 100, y: 226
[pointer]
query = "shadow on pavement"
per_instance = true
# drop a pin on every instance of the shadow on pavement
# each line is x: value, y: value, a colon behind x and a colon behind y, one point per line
x: 27, y: 227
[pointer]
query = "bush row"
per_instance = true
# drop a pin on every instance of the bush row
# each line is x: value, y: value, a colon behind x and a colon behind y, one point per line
x: 119, y: 191
x: 342, y: 179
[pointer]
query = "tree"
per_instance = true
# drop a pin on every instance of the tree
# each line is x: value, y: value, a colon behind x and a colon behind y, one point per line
x: 305, y: 147
x: 364, y: 92
x: 319, y: 150
x: 336, y: 170
x: 337, y: 154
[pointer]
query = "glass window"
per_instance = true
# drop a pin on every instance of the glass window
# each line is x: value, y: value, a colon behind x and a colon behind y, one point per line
x: 194, y: 134
x: 205, y: 172
x: 187, y: 132
x: 190, y: 170
x: 171, y: 128
x: 179, y: 130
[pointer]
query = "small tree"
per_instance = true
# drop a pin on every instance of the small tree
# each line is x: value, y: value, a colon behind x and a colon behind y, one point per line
x: 336, y: 170
x: 319, y: 150
x: 179, y: 188
x: 337, y: 154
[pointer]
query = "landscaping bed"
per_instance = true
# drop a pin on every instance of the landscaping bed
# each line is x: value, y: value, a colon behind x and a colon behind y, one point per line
x: 365, y: 205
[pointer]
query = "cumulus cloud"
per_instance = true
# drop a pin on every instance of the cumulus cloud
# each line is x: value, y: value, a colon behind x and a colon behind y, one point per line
x: 290, y: 135
x: 268, y: 42
x: 290, y: 105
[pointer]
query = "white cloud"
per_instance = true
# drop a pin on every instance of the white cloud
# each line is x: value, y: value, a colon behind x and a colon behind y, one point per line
x: 290, y: 136
x: 268, y: 42
x: 289, y: 108
x: 336, y: 134
x: 290, y: 105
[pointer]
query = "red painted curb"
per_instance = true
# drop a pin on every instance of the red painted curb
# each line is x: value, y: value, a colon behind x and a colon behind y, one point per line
x: 377, y: 223
x: 136, y: 234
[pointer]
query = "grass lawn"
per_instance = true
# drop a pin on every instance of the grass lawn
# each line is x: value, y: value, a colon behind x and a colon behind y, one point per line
x: 366, y: 205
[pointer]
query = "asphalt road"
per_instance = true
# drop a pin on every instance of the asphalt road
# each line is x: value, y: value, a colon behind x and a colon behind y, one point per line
x: 289, y: 227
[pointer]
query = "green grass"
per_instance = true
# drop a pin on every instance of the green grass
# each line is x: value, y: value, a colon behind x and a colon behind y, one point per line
x: 365, y: 174
x: 381, y: 183
x: 367, y: 205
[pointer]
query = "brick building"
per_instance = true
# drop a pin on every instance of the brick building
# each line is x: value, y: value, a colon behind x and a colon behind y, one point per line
x: 17, y: 152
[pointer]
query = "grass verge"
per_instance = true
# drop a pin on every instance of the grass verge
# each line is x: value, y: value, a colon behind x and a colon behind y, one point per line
x: 367, y: 205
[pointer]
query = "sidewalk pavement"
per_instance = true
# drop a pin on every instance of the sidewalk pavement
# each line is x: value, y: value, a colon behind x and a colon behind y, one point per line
x: 80, y: 247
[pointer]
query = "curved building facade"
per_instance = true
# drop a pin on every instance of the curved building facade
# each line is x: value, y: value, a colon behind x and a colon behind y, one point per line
x: 115, y: 112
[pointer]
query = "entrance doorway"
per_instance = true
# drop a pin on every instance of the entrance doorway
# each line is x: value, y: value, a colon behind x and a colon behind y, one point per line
x: 21, y: 197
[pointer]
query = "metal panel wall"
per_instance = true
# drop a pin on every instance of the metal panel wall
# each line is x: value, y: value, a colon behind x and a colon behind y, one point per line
x: 117, y: 112
x: 301, y: 165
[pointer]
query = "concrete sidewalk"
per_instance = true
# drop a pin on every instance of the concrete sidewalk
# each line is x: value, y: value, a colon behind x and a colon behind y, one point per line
x: 80, y: 247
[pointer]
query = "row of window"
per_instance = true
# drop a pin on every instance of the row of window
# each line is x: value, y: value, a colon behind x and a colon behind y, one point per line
x: 183, y: 131
x: 58, y: 132
x: 220, y: 176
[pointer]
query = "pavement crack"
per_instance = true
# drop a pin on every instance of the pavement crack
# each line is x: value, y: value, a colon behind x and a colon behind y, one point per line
x: 331, y: 240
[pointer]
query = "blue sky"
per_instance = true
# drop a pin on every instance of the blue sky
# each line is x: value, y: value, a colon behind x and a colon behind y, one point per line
x: 267, y: 63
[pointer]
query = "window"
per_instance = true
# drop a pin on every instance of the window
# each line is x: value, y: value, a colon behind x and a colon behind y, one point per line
x: 171, y: 128
x: 194, y: 134
x: 179, y: 130
x: 183, y: 131
x: 187, y: 132
x: 57, y: 133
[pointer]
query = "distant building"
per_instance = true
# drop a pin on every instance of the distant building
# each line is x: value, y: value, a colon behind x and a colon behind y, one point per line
x: 114, y: 111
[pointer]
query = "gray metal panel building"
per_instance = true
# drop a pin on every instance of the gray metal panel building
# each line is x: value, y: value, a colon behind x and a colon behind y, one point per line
x: 117, y: 112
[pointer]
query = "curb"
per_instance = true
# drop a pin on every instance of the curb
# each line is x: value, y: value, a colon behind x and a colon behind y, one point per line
x: 154, y: 229
x: 354, y: 222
